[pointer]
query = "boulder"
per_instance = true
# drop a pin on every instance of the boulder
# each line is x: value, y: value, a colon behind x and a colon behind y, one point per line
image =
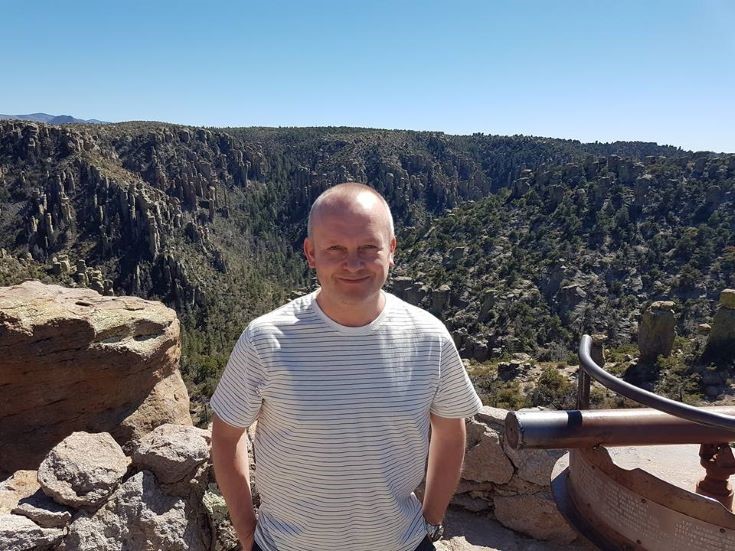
x: 18, y: 533
x: 534, y: 515
x: 83, y: 470
x: 173, y: 452
x: 140, y: 516
x: 656, y: 331
x: 76, y: 360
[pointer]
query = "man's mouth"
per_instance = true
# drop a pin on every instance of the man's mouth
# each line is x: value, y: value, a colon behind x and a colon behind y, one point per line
x: 353, y: 279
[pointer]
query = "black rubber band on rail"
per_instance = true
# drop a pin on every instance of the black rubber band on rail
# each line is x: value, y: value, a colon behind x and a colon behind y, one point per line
x: 650, y: 399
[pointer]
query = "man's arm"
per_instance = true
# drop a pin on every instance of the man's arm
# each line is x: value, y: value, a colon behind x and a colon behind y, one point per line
x: 230, y: 458
x: 446, y: 452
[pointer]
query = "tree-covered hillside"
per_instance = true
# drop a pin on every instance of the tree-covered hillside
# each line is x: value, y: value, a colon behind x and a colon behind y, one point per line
x: 519, y: 243
x: 580, y: 248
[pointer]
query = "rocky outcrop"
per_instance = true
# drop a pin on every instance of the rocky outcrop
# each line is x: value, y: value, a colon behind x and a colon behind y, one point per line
x: 95, y: 508
x: 656, y: 331
x: 76, y: 360
x: 721, y: 340
x: 139, y: 515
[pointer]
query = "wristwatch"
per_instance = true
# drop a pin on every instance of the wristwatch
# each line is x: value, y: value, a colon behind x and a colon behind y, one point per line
x: 434, y: 531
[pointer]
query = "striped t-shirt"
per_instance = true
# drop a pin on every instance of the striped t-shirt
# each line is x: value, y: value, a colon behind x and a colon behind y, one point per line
x: 343, y: 422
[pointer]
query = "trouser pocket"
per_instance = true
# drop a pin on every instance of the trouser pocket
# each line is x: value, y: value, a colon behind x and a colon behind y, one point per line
x: 426, y: 545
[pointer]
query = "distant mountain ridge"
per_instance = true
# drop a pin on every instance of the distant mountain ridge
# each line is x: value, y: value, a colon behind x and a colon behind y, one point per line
x: 51, y: 119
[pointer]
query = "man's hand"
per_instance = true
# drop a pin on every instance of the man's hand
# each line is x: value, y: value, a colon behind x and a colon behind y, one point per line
x: 446, y: 452
x: 230, y: 458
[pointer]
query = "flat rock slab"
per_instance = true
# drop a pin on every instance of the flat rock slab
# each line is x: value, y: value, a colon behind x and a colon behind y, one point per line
x: 44, y: 511
x: 22, y: 484
x: 477, y: 532
x: 76, y: 360
x: 675, y: 464
x: 18, y: 533
x: 83, y: 470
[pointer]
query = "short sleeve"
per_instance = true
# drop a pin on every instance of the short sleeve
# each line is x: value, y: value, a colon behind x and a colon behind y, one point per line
x: 237, y: 399
x: 455, y: 396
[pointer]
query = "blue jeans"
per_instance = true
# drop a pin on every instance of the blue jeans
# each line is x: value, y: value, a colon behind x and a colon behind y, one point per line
x: 425, y: 545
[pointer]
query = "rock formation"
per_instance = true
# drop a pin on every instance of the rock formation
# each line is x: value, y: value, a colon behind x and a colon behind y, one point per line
x: 101, y: 509
x: 721, y: 340
x: 656, y: 331
x: 76, y: 360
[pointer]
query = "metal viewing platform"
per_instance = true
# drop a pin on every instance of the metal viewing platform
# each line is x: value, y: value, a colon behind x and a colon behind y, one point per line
x: 654, y: 478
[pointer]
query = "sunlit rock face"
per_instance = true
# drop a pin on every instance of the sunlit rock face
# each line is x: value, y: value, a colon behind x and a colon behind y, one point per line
x: 75, y: 360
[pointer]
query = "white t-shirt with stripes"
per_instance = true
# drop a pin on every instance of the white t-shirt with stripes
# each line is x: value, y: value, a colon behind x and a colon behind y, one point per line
x: 343, y: 422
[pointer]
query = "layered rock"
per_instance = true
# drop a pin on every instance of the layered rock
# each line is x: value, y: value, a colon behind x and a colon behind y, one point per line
x: 76, y: 360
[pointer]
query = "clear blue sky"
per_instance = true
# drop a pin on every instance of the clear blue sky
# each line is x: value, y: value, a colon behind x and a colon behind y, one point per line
x: 592, y: 70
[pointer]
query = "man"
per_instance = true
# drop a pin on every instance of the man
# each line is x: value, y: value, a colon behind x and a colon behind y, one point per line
x: 345, y: 383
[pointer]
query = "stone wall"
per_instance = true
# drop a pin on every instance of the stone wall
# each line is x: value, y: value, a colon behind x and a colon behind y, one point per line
x: 511, y: 486
x: 87, y: 494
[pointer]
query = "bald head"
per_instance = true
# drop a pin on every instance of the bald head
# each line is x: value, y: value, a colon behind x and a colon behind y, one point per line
x: 346, y: 197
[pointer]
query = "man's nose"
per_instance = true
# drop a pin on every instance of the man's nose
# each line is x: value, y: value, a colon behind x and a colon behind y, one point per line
x: 353, y: 261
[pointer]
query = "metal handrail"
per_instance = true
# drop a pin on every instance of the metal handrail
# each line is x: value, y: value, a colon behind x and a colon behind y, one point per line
x: 646, y: 398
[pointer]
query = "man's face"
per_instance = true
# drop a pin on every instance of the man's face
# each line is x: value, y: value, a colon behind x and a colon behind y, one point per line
x: 351, y: 249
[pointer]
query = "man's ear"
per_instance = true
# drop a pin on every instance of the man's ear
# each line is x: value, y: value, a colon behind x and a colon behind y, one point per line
x: 309, y: 252
x: 393, y: 243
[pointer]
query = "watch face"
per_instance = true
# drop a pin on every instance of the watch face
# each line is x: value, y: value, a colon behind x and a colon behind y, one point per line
x: 435, y: 531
